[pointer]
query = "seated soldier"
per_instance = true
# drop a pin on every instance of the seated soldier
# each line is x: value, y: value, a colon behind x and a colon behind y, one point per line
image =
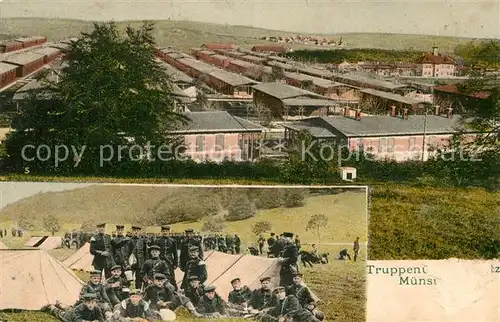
x: 195, y: 290
x: 263, y: 297
x: 94, y: 285
x: 87, y: 310
x: 344, y: 254
x: 154, y: 265
x: 287, y: 309
x: 211, y: 304
x: 160, y: 295
x: 301, y: 292
x: 311, y: 307
x: 134, y: 308
x: 240, y: 295
x: 115, y: 285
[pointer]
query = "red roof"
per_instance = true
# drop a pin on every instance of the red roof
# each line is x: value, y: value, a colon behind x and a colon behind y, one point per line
x: 269, y: 48
x: 214, y: 46
x: 429, y: 58
x: 453, y: 89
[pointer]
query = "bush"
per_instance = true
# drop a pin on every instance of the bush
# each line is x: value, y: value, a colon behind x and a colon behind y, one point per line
x: 269, y: 198
x: 295, y: 197
x: 261, y: 227
x: 51, y: 224
x: 241, y: 208
x: 182, y: 207
x: 214, y: 225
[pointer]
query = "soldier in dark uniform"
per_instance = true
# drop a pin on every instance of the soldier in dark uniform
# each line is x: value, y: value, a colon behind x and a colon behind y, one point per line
x: 139, y: 248
x: 160, y: 293
x: 194, y: 291
x: 270, y: 244
x: 288, y: 258
x: 221, y: 244
x: 356, y: 248
x: 241, y: 294
x: 115, y: 285
x: 301, y: 292
x: 189, y: 241
x: 154, y: 265
x: 211, y: 304
x: 168, y: 253
x: 287, y: 309
x: 237, y: 244
x: 120, y: 248
x: 261, y: 242
x: 344, y: 254
x: 297, y: 242
x: 194, y: 267
x: 100, y: 247
x: 87, y: 310
x: 95, y: 286
x: 230, y: 246
x: 311, y: 307
x: 134, y: 307
x: 263, y: 297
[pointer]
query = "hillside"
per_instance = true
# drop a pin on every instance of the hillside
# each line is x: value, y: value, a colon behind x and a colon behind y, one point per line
x: 188, y: 34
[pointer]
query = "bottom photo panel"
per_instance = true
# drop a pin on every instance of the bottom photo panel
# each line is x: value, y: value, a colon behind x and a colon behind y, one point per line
x: 79, y: 252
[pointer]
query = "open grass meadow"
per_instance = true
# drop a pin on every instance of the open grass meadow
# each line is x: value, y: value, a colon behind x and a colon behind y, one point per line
x: 340, y: 285
x: 188, y: 34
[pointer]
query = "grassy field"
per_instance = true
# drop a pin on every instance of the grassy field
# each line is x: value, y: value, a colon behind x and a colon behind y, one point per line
x: 187, y: 34
x: 341, y: 285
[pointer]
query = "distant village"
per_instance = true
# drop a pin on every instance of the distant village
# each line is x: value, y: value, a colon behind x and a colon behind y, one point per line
x: 305, y: 40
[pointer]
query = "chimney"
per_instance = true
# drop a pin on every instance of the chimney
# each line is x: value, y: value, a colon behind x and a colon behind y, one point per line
x: 393, y: 110
x: 347, y: 111
x: 449, y: 112
x: 437, y: 110
x: 405, y: 113
x: 358, y: 115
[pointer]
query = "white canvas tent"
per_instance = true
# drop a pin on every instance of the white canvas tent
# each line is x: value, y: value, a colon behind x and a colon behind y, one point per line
x: 45, y: 242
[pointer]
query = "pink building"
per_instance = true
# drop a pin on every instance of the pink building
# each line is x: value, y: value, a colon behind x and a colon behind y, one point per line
x: 436, y: 65
x: 390, y: 137
x: 218, y: 135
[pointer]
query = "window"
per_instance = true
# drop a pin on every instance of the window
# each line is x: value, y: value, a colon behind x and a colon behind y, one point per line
x: 219, y: 142
x: 200, y: 143
x: 390, y: 145
x: 382, y: 146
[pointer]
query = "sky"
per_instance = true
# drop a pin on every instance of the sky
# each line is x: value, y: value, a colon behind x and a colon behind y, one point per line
x: 475, y: 19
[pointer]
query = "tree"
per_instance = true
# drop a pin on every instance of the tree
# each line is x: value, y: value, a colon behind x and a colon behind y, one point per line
x: 295, y: 197
x: 51, y: 224
x: 214, y: 225
x: 316, y: 223
x: 307, y: 84
x: 241, y: 208
x: 111, y: 90
x: 88, y: 226
x: 261, y: 227
x: 24, y: 222
x: 277, y: 73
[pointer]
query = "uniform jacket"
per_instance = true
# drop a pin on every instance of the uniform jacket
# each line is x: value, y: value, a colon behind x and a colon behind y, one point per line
x: 194, y: 295
x: 83, y: 313
x: 240, y: 296
x: 208, y: 306
x: 154, y: 294
x: 101, y: 243
x: 262, y: 299
x: 194, y: 267
x: 302, y: 293
x: 120, y: 250
x: 99, y: 290
x: 127, y: 310
x: 153, y: 266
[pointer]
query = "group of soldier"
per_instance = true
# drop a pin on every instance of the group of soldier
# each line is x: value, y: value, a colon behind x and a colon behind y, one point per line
x: 15, y: 232
x: 151, y: 263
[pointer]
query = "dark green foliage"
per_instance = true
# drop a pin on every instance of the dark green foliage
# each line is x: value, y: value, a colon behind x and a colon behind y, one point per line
x: 213, y: 225
x: 261, y: 227
x: 295, y: 197
x: 241, y: 208
x: 353, y: 55
x: 180, y: 207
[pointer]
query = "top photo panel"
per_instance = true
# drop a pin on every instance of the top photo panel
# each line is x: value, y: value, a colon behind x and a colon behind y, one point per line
x: 182, y: 251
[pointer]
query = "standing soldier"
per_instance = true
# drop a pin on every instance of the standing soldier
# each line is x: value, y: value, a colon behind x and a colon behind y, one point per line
x: 120, y: 248
x: 289, y: 257
x: 230, y: 244
x: 261, y: 242
x: 139, y: 249
x: 297, y: 242
x: 194, y: 267
x: 100, y: 247
x: 168, y: 253
x: 189, y: 241
x: 270, y: 244
x: 237, y: 243
x: 154, y: 265
x: 356, y: 248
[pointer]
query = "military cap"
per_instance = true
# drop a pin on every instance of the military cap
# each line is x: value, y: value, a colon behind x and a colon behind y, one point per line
x: 165, y: 228
x: 193, y: 248
x: 189, y: 230
x: 101, y: 225
x: 266, y: 278
x: 279, y: 289
x: 136, y: 228
x: 235, y: 280
x: 193, y: 278
x: 288, y: 235
x: 95, y: 272
x: 120, y: 226
x: 272, y: 234
x: 89, y: 296
x: 154, y: 247
x: 116, y: 267
x: 126, y: 290
x: 159, y: 277
x: 135, y: 292
x: 297, y: 274
x: 209, y: 288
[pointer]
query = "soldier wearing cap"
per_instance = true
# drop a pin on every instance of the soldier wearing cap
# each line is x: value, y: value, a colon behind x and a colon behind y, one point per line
x: 211, y: 304
x: 301, y: 292
x: 194, y: 291
x: 160, y: 294
x: 263, y: 297
x: 194, y: 267
x: 168, y: 252
x: 311, y: 307
x: 138, y: 248
x: 120, y: 248
x: 95, y: 286
x: 189, y: 241
x: 134, y: 307
x: 288, y: 258
x: 100, y: 247
x: 241, y: 294
x: 237, y: 244
x: 154, y: 264
x: 87, y: 310
x: 287, y: 309
x: 115, y: 285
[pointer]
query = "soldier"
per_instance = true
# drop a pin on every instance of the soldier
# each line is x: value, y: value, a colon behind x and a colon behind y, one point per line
x: 194, y: 267
x: 100, y: 247
x: 94, y: 285
x: 287, y: 309
x: 301, y: 292
x: 189, y: 241
x: 237, y: 243
x: 263, y: 297
x: 271, y: 241
x: 115, y: 285
x: 311, y: 307
x: 87, y: 310
x: 355, y: 248
x: 297, y: 242
x: 134, y: 308
x: 230, y: 245
x: 211, y: 304
x: 344, y: 254
x: 120, y: 248
x: 160, y: 293
x: 261, y: 242
x: 288, y: 258
x: 221, y: 244
x: 154, y: 265
x: 194, y: 291
x: 240, y: 295
x: 168, y: 253
x: 138, y: 248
